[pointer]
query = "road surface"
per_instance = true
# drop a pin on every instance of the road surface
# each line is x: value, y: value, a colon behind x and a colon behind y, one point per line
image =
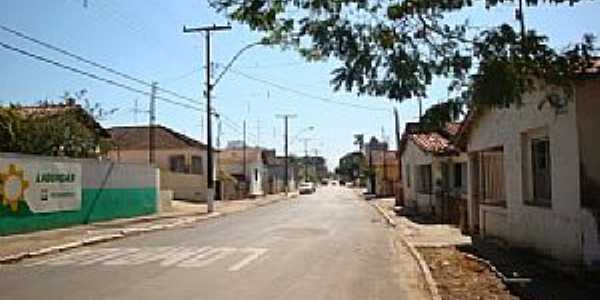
x: 327, y: 245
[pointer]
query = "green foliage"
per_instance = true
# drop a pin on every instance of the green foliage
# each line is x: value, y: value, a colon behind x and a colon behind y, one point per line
x: 438, y: 115
x: 395, y: 49
x: 46, y: 134
x: 351, y: 166
x: 511, y: 65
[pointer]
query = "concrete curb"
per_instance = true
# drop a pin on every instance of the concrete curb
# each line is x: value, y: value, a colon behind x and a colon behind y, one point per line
x: 492, y: 268
x: 192, y: 218
x: 430, y: 282
x: 386, y: 216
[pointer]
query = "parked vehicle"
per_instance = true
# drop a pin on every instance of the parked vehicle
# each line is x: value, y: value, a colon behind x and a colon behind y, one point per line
x: 333, y: 183
x: 307, y: 188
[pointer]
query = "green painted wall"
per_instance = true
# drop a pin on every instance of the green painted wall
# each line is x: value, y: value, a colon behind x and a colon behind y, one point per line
x: 96, y: 205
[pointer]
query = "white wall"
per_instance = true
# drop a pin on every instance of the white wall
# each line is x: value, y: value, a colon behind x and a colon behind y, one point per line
x: 553, y: 231
x: 411, y: 158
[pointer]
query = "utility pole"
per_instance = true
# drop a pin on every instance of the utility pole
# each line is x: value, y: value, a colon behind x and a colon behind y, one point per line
x: 209, y: 152
x: 399, y: 200
x: 286, y: 118
x: 244, y: 152
x: 306, y: 140
x: 151, y: 121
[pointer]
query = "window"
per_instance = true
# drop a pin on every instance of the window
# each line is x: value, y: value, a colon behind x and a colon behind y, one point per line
x: 540, y: 171
x: 177, y: 163
x: 408, y: 177
x: 197, y: 165
x: 255, y: 174
x: 424, y: 179
x: 492, y: 178
x: 460, y: 176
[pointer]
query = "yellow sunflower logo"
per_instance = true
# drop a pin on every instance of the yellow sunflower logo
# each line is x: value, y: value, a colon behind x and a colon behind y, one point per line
x: 12, y: 187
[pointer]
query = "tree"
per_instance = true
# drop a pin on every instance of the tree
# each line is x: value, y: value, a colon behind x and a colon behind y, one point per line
x: 395, y: 48
x: 359, y: 140
x: 94, y: 109
x: 50, y: 129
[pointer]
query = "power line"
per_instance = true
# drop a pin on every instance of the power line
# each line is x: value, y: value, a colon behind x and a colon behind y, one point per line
x: 105, y: 68
x: 95, y: 64
x: 304, y: 94
x: 93, y: 76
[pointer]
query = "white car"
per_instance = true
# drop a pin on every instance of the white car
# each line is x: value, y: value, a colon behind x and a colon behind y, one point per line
x: 306, y: 188
x: 334, y: 183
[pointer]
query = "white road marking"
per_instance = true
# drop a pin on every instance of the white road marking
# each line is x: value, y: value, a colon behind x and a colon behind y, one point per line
x: 183, y: 254
x: 186, y: 257
x: 254, y: 254
x: 205, y: 259
x: 113, y: 252
x: 142, y: 257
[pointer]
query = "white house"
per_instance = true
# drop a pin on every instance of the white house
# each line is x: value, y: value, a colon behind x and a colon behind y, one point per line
x: 246, y: 165
x: 434, y: 171
x: 534, y: 173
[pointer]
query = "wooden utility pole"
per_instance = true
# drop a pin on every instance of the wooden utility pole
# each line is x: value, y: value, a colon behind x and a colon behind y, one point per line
x: 209, y: 152
x: 286, y: 118
x: 151, y: 123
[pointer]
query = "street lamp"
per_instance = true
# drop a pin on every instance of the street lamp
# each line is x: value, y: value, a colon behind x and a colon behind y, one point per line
x: 297, y: 136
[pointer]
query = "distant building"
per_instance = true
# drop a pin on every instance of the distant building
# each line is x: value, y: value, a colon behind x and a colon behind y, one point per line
x: 314, y: 166
x: 387, y: 175
x: 374, y: 145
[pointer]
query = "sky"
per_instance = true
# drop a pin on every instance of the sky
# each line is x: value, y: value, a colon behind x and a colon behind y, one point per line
x: 144, y: 38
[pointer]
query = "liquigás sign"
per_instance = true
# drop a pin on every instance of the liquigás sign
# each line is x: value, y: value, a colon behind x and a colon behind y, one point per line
x: 44, y: 186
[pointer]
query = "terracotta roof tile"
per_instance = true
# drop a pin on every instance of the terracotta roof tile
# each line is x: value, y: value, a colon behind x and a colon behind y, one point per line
x: 432, y: 142
x: 453, y: 128
x: 236, y: 156
x: 52, y: 110
x: 137, y: 137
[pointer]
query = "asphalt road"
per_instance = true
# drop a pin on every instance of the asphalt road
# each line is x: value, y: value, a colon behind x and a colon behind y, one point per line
x: 328, y: 245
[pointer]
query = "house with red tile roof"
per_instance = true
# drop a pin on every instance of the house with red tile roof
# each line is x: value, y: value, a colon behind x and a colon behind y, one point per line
x: 434, y: 171
x: 180, y: 158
